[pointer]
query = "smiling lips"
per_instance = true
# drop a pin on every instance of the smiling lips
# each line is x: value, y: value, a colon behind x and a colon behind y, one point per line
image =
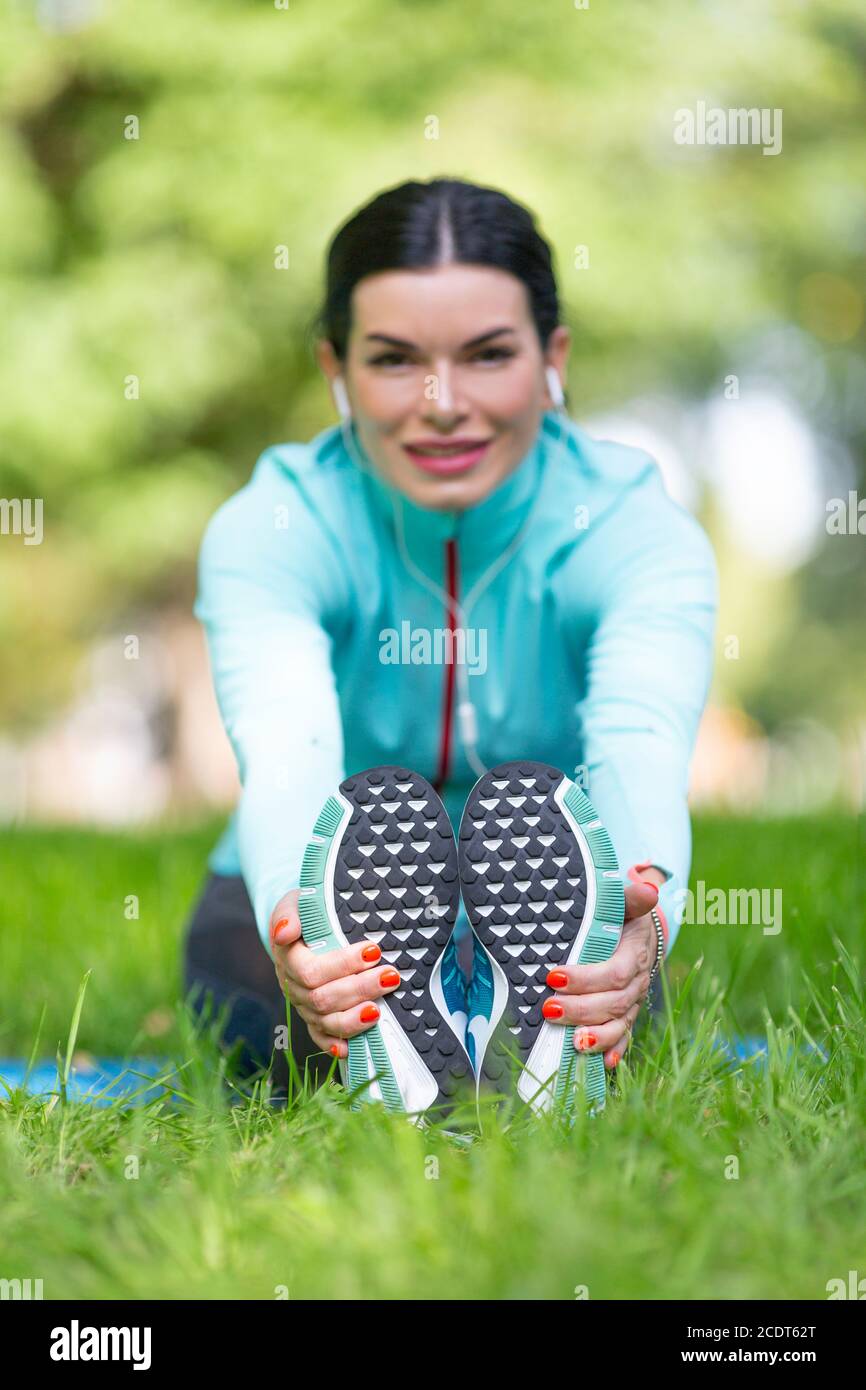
x: 451, y: 456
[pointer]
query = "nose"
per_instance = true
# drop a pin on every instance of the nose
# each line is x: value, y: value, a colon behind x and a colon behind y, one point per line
x: 443, y: 405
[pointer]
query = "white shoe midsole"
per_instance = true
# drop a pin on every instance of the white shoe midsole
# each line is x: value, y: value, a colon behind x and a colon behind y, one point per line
x: 544, y: 1059
x: 417, y: 1085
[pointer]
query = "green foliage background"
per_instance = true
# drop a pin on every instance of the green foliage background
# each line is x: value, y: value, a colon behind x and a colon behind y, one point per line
x: 262, y: 126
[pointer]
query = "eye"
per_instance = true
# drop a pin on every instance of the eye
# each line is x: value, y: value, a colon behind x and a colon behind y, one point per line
x: 388, y: 359
x: 494, y: 354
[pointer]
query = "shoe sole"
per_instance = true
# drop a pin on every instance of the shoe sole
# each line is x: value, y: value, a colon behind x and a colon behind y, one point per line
x: 381, y: 866
x: 542, y: 889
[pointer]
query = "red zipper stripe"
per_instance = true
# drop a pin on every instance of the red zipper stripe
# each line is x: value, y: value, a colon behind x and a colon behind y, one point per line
x: 448, y: 702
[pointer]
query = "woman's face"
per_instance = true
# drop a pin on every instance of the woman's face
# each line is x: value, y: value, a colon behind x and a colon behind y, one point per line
x: 446, y: 379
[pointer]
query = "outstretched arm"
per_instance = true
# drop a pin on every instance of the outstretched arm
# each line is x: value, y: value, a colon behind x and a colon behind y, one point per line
x: 648, y: 667
x: 268, y: 590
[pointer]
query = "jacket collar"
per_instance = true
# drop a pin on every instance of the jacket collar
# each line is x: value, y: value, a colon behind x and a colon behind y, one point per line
x: 481, y: 532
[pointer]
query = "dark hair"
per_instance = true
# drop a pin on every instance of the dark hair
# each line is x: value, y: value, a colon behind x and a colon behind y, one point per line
x: 444, y: 221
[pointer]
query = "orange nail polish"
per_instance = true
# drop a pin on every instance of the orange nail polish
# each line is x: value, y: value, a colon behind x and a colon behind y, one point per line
x: 389, y: 978
x: 369, y: 1013
x: 335, y: 1049
x: 278, y: 926
x: 557, y: 979
x: 551, y: 1009
x: 614, y: 1059
x: 371, y: 953
x: 586, y: 1040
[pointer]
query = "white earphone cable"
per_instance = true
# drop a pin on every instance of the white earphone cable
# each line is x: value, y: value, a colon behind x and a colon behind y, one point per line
x: 466, y: 716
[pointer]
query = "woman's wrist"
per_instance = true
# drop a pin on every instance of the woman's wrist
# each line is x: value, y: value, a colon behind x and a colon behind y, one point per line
x: 648, y: 873
x: 651, y: 874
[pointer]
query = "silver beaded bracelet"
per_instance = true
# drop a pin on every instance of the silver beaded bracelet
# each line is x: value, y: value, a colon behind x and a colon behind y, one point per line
x: 660, y: 954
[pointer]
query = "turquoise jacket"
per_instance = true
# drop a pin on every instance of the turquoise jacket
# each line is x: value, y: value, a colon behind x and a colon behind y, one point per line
x: 588, y: 645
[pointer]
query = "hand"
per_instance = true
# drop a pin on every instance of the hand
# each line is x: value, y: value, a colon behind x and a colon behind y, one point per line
x: 604, y: 999
x: 333, y: 991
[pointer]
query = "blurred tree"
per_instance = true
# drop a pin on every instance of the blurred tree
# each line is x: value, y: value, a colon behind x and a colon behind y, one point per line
x: 152, y: 161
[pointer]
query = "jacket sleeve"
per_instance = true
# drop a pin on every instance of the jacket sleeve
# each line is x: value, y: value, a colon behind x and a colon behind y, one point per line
x: 648, y: 669
x: 267, y: 592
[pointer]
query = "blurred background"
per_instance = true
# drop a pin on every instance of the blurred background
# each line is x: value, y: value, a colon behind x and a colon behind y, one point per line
x: 170, y: 176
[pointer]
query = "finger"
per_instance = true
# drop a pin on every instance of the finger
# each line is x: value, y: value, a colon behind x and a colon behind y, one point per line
x: 605, y: 1036
x: 628, y: 960
x: 590, y: 1009
x: 338, y: 996
x: 337, y: 1047
x: 285, y: 924
x: 351, y: 1022
x: 615, y: 1054
x: 285, y: 930
x: 313, y: 968
x: 639, y: 898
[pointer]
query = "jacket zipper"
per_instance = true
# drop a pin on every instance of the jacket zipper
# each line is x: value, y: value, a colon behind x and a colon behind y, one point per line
x: 448, y: 694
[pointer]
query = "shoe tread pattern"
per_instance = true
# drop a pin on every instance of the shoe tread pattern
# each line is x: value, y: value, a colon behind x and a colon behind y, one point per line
x: 525, y: 907
x: 397, y: 863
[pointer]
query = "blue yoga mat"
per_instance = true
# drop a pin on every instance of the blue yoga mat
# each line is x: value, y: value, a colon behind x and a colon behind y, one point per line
x: 113, y: 1076
x: 743, y: 1049
x: 110, y: 1079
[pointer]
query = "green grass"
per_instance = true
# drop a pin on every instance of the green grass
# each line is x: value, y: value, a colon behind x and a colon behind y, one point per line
x: 245, y: 1201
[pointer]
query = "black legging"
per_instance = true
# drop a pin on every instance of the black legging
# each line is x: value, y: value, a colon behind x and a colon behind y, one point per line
x: 226, y: 963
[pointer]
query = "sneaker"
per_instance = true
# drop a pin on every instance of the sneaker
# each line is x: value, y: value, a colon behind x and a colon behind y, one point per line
x: 542, y: 888
x: 381, y: 866
x: 479, y: 1003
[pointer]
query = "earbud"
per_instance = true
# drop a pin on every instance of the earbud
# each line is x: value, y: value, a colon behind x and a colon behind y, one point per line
x: 341, y: 398
x: 554, y: 386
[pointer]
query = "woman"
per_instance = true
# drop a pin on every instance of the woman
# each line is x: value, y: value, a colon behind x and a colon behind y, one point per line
x: 455, y: 487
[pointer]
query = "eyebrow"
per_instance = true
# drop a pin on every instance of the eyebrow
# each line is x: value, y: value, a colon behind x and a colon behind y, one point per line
x: 473, y: 342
